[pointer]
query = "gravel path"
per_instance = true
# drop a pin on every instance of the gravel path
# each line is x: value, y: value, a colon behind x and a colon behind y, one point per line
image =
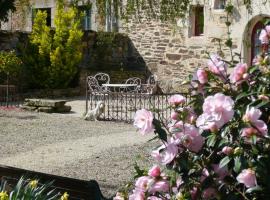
x: 64, y: 144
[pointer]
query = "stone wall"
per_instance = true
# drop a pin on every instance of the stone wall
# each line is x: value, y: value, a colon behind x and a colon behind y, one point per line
x: 112, y: 53
x: 168, y: 53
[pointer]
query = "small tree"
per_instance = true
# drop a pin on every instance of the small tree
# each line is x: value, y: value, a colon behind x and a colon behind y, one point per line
x: 10, y: 64
x: 59, y: 53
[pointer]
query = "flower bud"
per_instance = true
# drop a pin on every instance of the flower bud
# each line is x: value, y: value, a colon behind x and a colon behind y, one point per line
x: 154, y: 171
x: 227, y: 150
x: 263, y: 97
x: 202, y: 76
x: 245, y: 76
x: 237, y: 151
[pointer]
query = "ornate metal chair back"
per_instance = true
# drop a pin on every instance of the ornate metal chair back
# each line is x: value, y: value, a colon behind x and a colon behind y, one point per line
x: 102, y: 78
x: 134, y: 80
x: 93, y: 85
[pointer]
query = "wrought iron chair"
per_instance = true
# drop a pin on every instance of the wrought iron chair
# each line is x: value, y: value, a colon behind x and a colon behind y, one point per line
x: 102, y: 78
x: 94, y: 92
x: 93, y: 85
x: 134, y: 80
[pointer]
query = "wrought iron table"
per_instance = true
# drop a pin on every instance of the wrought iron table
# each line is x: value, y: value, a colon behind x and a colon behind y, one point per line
x: 121, y: 87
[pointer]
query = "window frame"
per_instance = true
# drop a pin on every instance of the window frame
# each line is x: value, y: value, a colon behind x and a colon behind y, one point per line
x: 219, y: 4
x: 87, y: 18
x: 197, y: 20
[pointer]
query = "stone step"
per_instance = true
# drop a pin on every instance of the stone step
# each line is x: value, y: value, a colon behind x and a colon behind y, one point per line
x: 44, y: 103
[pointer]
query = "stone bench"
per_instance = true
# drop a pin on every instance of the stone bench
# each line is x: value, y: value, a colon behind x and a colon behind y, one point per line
x: 46, y: 105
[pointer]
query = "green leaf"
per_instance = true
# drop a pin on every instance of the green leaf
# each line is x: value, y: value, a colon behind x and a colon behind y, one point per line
x: 253, y: 139
x: 253, y: 69
x: 263, y: 103
x: 162, y: 134
x: 254, y: 189
x: 139, y: 172
x: 224, y: 161
x: 255, y: 150
x: 211, y: 140
x: 243, y: 95
x: 154, y: 138
x: 237, y: 164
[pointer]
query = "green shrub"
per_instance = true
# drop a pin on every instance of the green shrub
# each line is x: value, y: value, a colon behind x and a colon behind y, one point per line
x: 51, y: 58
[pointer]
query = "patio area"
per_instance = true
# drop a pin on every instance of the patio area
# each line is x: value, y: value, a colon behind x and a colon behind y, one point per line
x: 63, y: 144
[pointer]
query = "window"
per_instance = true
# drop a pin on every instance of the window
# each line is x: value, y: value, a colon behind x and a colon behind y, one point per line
x: 219, y: 4
x: 49, y: 15
x: 111, y: 18
x: 256, y: 46
x: 86, y: 21
x: 197, y: 20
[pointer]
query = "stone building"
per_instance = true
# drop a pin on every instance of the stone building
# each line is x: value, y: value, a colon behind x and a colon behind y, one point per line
x: 172, y: 51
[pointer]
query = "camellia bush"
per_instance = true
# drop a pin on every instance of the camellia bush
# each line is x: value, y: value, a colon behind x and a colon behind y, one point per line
x: 216, y: 145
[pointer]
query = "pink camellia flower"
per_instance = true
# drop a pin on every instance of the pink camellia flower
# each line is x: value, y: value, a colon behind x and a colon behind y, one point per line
x: 247, y: 177
x: 142, y: 183
x: 156, y: 153
x: 238, y: 72
x: 153, y: 198
x: 166, y: 152
x: 159, y: 186
x: 137, y: 195
x: 264, y: 38
x: 267, y: 28
x: 252, y: 116
x: 217, y: 111
x: 119, y: 196
x: 221, y: 172
x: 174, y: 115
x: 194, y: 193
x: 143, y: 120
x: 176, y: 100
x: 192, y: 138
x: 249, y: 132
x: 188, y: 135
x: 154, y: 171
x: 202, y: 76
x: 209, y: 193
x: 217, y: 65
x: 227, y: 150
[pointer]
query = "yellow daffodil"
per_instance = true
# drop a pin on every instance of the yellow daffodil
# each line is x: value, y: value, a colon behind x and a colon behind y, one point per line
x: 3, y: 196
x: 65, y: 196
x: 33, y: 184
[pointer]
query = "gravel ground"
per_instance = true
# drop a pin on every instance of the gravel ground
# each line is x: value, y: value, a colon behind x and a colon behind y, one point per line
x: 66, y: 145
